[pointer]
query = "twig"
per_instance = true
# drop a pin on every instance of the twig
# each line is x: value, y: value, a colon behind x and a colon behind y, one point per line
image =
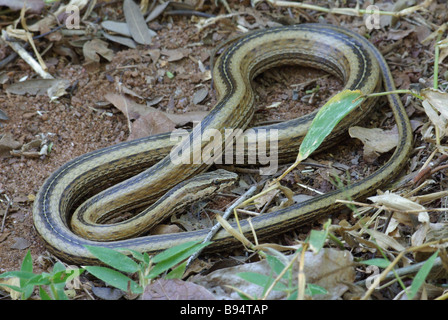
x: 386, y: 207
x: 408, y: 270
x: 225, y: 216
x: 8, y: 204
x: 27, y: 57
x: 348, y: 11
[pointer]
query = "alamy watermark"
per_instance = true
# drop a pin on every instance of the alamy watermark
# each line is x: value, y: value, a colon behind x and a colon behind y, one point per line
x: 372, y: 17
x: 73, y: 18
x: 233, y: 146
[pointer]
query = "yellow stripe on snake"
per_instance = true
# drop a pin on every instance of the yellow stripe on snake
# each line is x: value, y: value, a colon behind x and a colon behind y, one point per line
x: 136, y: 173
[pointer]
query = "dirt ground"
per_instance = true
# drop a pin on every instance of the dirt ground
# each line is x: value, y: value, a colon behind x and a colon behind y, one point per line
x: 84, y: 119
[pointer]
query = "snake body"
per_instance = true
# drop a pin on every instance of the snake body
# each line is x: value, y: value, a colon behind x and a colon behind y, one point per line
x: 135, y: 173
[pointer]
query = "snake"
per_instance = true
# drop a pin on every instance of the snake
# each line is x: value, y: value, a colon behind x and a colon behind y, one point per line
x: 136, y: 173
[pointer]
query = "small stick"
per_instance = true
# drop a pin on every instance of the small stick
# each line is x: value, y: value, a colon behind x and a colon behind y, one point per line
x: 6, y: 213
x: 225, y: 216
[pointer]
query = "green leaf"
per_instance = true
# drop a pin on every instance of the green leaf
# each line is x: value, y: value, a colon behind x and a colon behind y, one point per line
x: 114, y: 259
x: 137, y: 255
x: 58, y: 268
x: 317, y: 238
x: 327, y: 118
x: 177, y: 272
x: 19, y: 274
x: 261, y: 280
x: 379, y: 262
x: 114, y: 278
x: 421, y: 275
x: 169, y: 253
x: 15, y: 288
x: 314, y: 289
x: 43, y: 294
x: 170, y: 257
x: 27, y: 266
x: 27, y: 263
x: 58, y: 291
x: 276, y: 265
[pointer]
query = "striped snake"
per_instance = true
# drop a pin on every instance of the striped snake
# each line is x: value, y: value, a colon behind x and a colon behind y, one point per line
x: 136, y: 173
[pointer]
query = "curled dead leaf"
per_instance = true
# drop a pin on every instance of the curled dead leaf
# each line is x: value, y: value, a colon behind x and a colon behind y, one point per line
x: 175, y: 289
x: 7, y: 143
x: 375, y: 140
x: 330, y: 269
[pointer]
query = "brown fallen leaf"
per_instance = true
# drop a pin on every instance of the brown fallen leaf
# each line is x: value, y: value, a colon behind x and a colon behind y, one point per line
x: 175, y: 54
x: 13, y: 281
x: 117, y: 27
x: 330, y: 268
x: 39, y: 87
x: 121, y: 40
x: 435, y: 105
x: 375, y: 140
x: 7, y: 143
x: 95, y: 48
x: 200, y: 95
x: 152, y: 123
x: 398, y: 34
x: 3, y: 116
x: 175, y: 289
x: 157, y: 11
x: 136, y: 23
x: 131, y: 109
x: 165, y: 229
x: 134, y: 110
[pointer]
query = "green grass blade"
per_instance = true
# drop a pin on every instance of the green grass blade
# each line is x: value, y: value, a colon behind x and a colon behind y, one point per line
x: 421, y: 275
x: 379, y: 262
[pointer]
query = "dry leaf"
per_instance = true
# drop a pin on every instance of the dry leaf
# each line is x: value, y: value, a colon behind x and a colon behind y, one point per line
x: 95, y: 48
x: 416, y: 212
x: 330, y: 269
x: 398, y: 34
x: 131, y: 109
x: 121, y: 40
x: 32, y: 6
x: 175, y: 289
x: 117, y: 27
x: 50, y: 18
x: 157, y: 11
x: 7, y: 143
x: 152, y: 123
x: 3, y: 115
x: 385, y: 242
x: 39, y: 87
x: 136, y: 23
x: 265, y: 198
x: 200, y: 95
x: 175, y: 54
x: 375, y: 140
x: 14, y: 281
x: 436, y: 108
x: 165, y: 229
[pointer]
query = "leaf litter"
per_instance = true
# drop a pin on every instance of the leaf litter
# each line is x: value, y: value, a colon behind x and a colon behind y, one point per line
x: 401, y: 220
